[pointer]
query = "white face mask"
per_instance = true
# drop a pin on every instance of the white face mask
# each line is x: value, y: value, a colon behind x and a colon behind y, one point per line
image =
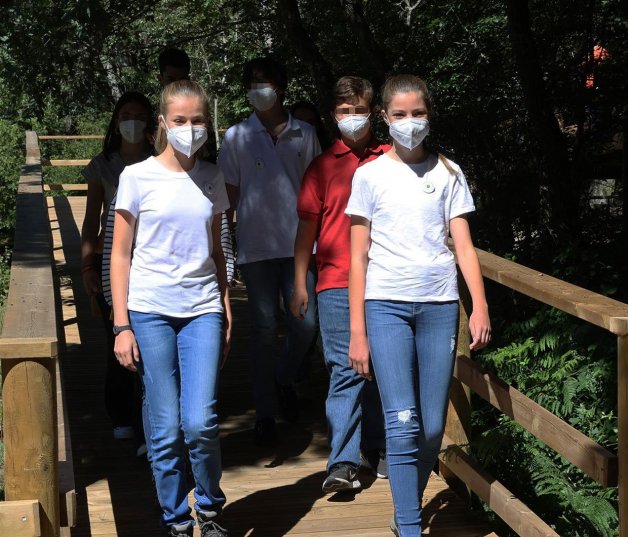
x: 354, y: 127
x: 262, y: 99
x: 132, y: 130
x: 186, y: 139
x: 409, y: 132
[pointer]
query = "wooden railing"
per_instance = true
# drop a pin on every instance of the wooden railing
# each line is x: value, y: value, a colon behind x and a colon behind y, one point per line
x: 39, y: 482
x: 606, y: 468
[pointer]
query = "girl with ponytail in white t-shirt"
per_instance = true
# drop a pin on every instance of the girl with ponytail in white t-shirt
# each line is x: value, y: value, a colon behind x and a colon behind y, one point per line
x: 172, y: 317
x: 403, y: 291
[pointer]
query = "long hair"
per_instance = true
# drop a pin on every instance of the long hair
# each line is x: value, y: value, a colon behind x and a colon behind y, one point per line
x: 406, y: 84
x: 183, y: 88
x: 113, y: 138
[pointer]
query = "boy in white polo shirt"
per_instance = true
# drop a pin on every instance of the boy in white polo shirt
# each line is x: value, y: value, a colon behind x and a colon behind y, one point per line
x: 263, y: 159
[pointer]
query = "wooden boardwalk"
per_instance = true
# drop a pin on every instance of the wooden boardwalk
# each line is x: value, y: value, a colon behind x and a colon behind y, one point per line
x: 270, y: 492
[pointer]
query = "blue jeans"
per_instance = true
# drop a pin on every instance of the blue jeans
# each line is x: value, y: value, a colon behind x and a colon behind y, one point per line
x: 265, y: 282
x: 413, y: 348
x: 354, y: 409
x: 179, y: 365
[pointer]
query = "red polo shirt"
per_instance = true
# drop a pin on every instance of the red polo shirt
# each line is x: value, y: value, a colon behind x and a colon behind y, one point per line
x: 323, y: 197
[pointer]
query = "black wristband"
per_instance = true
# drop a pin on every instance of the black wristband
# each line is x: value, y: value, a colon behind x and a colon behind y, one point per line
x: 118, y: 329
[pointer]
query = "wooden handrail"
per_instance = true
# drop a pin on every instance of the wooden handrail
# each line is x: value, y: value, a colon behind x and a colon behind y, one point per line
x: 577, y: 301
x: 511, y: 510
x: 28, y: 356
x: 72, y: 137
x: 593, y: 459
x: 67, y: 187
x: 67, y: 162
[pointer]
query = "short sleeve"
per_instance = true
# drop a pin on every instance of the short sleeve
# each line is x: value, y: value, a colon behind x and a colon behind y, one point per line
x: 221, y: 202
x: 228, y: 158
x: 461, y: 201
x: 315, y: 145
x: 361, y: 201
x: 92, y: 172
x: 128, y: 198
x: 309, y: 202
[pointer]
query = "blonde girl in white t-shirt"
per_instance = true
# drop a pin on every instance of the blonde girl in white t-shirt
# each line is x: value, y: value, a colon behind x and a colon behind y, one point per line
x: 172, y: 317
x: 403, y: 289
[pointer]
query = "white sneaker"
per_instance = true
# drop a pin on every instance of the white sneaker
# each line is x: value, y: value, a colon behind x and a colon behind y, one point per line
x: 123, y: 432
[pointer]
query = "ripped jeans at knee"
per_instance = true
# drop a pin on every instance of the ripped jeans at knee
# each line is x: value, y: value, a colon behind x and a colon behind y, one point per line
x: 412, y: 348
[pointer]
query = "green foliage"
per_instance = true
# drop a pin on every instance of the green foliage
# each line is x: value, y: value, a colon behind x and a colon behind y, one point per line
x: 550, y: 357
x: 5, y: 278
x: 11, y: 160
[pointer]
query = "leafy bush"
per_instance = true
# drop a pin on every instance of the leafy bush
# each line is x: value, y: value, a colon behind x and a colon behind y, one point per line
x: 11, y: 160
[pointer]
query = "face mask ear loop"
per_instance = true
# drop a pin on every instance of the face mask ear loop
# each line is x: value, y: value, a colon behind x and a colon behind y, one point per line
x: 162, y: 118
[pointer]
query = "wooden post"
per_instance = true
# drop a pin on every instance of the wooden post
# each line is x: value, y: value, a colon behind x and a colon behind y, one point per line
x: 458, y: 425
x: 30, y: 427
x: 622, y: 431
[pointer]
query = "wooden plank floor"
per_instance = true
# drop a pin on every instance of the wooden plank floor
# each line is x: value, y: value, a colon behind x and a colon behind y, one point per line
x: 270, y: 492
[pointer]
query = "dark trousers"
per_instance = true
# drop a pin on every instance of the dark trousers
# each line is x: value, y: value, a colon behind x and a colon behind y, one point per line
x: 123, y: 390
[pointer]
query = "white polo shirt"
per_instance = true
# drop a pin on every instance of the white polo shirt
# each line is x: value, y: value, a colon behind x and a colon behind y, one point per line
x: 269, y: 178
x: 409, y: 207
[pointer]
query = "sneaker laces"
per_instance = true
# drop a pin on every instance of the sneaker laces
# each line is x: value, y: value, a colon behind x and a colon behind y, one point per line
x: 212, y: 529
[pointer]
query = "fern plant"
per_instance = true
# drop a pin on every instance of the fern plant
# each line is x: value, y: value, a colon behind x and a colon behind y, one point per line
x: 567, y: 369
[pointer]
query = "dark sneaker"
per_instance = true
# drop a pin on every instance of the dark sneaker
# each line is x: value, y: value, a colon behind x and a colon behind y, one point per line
x: 181, y: 530
x: 375, y: 461
x: 341, y: 477
x: 209, y: 525
x: 265, y: 432
x: 393, y: 526
x: 288, y: 402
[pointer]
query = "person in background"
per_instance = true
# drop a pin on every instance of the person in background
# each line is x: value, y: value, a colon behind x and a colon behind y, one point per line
x: 125, y: 143
x: 306, y: 111
x: 354, y: 414
x: 172, y: 317
x: 263, y: 159
x: 174, y: 64
x: 403, y: 291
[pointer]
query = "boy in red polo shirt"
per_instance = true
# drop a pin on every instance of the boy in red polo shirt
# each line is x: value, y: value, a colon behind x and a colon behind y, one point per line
x: 354, y: 414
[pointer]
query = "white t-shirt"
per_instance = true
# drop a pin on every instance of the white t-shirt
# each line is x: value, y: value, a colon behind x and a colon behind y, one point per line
x: 172, y: 270
x: 409, y: 207
x: 269, y: 177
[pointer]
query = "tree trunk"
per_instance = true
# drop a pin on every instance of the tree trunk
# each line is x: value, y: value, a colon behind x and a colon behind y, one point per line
x: 305, y: 47
x: 562, y: 192
x: 624, y: 206
x: 372, y: 54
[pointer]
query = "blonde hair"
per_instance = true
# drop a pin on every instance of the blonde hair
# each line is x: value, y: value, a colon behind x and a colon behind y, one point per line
x: 406, y: 84
x: 181, y: 88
